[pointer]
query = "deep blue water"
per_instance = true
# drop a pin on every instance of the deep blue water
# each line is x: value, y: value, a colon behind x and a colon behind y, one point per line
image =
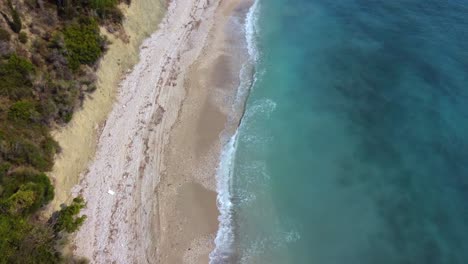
x: 354, y: 145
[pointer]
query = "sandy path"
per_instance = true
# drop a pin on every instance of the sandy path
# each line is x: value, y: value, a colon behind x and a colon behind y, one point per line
x: 78, y: 139
x: 121, y: 228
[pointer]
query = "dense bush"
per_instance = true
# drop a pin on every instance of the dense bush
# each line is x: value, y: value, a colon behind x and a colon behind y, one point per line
x: 25, y: 191
x: 13, y: 231
x: 112, y: 14
x: 15, y: 77
x: 83, y: 42
x: 101, y: 4
x: 68, y: 219
x: 23, y: 242
x: 107, y: 11
x: 25, y: 151
x: 23, y: 110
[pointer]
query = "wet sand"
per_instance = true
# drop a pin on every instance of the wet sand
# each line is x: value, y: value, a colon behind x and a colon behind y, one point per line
x: 187, y: 192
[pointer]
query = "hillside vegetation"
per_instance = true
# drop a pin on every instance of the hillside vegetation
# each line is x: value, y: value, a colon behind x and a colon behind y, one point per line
x: 48, y: 54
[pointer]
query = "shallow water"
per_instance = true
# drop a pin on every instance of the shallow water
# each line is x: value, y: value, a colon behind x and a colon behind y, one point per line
x: 354, y: 144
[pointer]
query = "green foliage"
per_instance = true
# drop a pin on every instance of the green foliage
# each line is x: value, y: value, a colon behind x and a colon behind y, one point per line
x: 23, y: 37
x: 38, y: 246
x: 112, y: 14
x: 23, y: 110
x: 13, y: 231
x: 23, y: 242
x: 83, y: 42
x: 107, y: 10
x: 25, y: 191
x: 4, y: 35
x: 101, y: 4
x: 20, y: 151
x: 68, y: 219
x: 15, y: 24
x: 15, y: 77
x: 65, y: 95
x: 20, y: 201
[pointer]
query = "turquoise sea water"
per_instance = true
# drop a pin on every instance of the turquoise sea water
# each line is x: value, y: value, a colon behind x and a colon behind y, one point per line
x: 354, y: 144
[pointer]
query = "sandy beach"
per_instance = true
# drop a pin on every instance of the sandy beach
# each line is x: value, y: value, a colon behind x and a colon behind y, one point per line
x: 187, y: 192
x: 151, y: 187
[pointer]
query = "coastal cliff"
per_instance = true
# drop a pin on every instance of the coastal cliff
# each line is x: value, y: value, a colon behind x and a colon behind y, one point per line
x: 51, y: 67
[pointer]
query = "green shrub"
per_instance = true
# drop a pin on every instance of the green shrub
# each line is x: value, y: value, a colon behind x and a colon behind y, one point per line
x: 4, y: 35
x: 13, y: 231
x: 38, y: 246
x: 65, y: 95
x: 101, y: 4
x: 50, y: 147
x: 28, y: 183
x: 15, y: 77
x: 48, y: 109
x: 14, y: 24
x: 67, y: 116
x: 20, y: 151
x: 22, y: 242
x: 112, y: 14
x: 21, y: 201
x: 68, y: 219
x: 23, y: 110
x: 23, y: 37
x: 83, y: 43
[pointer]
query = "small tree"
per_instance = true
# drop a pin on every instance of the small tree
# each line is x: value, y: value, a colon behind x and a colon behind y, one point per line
x: 14, y: 23
x: 83, y: 43
x: 68, y: 219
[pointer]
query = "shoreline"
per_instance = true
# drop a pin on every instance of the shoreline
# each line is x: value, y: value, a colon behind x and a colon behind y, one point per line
x: 187, y: 192
x: 143, y: 203
x: 79, y: 138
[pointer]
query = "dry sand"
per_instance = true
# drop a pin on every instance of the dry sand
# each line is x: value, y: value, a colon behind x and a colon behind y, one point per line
x: 78, y: 139
x: 151, y: 186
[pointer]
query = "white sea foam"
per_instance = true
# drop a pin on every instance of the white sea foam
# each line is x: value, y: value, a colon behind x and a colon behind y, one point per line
x: 245, y: 74
x: 225, y: 236
x: 251, y: 29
